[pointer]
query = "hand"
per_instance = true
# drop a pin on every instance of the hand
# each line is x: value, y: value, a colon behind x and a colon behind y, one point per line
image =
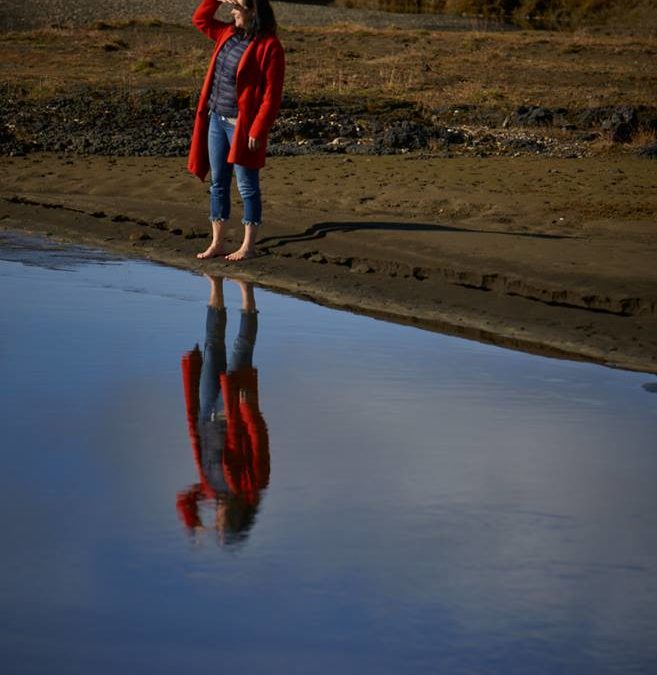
x: 254, y: 144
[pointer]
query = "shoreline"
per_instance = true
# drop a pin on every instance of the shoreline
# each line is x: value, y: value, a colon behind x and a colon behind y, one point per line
x: 576, y: 287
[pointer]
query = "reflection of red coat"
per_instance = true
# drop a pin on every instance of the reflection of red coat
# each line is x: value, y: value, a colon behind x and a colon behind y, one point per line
x: 260, y: 77
x: 245, y: 458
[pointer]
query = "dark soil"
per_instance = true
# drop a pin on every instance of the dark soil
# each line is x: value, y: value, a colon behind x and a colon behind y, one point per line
x: 158, y: 123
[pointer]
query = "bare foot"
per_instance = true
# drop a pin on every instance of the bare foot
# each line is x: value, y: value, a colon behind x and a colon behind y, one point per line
x: 212, y: 251
x: 216, y: 248
x: 241, y: 254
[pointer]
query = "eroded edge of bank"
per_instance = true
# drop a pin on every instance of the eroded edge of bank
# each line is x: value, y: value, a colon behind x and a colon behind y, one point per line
x: 502, y: 320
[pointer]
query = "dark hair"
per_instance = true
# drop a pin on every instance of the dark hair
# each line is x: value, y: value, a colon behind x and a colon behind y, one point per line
x: 240, y: 517
x: 261, y: 18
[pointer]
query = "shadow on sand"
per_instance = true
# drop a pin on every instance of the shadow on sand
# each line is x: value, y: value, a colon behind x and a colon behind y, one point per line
x: 321, y: 230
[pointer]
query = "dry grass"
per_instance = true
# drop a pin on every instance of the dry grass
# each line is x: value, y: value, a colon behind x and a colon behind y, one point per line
x: 552, y: 69
x: 500, y: 70
x: 158, y: 55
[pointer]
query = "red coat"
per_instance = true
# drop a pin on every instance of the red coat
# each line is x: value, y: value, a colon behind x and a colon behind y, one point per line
x: 259, y: 79
x: 245, y: 459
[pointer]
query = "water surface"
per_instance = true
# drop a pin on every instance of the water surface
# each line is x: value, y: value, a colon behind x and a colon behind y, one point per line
x: 432, y: 504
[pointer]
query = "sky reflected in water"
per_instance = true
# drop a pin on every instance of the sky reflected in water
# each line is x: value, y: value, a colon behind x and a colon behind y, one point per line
x: 431, y: 504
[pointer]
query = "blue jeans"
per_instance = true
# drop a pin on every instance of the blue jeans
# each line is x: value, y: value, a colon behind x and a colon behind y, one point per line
x: 214, y: 356
x: 220, y: 136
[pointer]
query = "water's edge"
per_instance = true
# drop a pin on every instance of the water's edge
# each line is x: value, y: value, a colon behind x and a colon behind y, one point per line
x: 504, y: 321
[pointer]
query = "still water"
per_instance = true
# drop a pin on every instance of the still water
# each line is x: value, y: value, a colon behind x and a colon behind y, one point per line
x: 397, y: 501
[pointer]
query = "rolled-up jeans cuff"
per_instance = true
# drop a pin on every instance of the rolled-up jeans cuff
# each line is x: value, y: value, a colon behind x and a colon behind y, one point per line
x: 252, y: 222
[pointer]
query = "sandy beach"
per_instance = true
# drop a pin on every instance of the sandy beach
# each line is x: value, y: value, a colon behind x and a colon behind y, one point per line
x: 549, y: 256
x: 550, y: 251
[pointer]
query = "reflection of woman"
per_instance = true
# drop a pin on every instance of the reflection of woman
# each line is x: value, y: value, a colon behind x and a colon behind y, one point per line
x: 226, y: 428
x: 239, y: 101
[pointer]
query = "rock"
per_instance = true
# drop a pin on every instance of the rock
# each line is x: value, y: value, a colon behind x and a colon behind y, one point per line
x: 593, y: 117
x: 526, y: 145
x: 648, y: 151
x: 139, y: 236
x: 405, y: 135
x: 362, y: 268
x: 530, y: 116
x: 621, y: 122
x: 622, y: 132
x: 454, y: 136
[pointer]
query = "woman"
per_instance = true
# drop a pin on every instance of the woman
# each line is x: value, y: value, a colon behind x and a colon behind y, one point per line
x: 239, y: 101
x: 226, y: 428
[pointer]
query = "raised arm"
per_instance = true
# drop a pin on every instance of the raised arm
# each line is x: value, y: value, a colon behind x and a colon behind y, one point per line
x: 203, y: 19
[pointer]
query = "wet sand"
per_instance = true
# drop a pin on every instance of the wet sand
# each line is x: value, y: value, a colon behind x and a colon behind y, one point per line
x: 551, y: 256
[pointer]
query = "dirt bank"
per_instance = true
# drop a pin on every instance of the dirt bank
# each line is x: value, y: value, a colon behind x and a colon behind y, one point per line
x: 553, y: 256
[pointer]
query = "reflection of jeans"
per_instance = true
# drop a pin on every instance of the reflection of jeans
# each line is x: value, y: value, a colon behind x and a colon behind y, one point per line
x: 242, y: 355
x: 214, y: 363
x: 212, y: 423
x: 214, y: 356
x: 220, y: 137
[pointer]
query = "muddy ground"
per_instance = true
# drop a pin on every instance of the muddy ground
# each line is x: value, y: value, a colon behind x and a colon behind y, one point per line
x: 553, y: 256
